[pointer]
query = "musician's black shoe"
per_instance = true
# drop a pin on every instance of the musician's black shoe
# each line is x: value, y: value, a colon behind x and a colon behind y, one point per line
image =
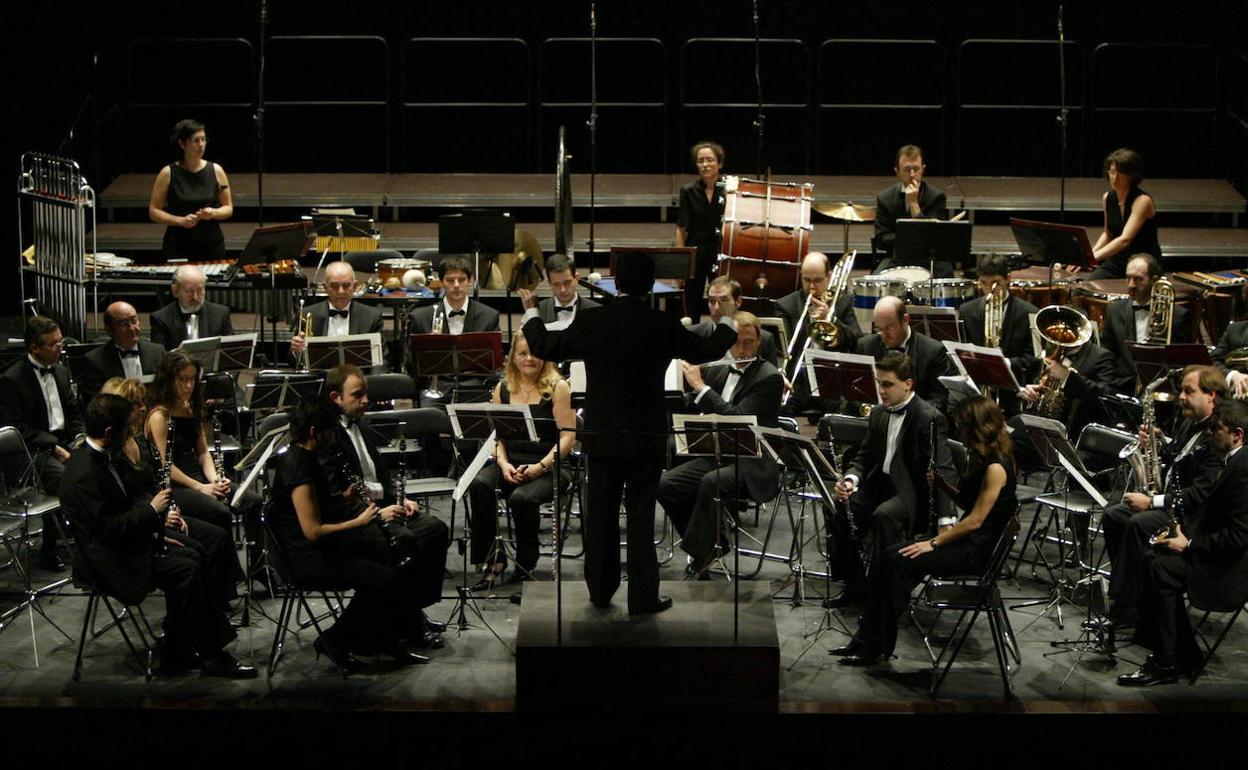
x: 660, y: 604
x: 1150, y: 674
x: 226, y: 665
x: 853, y: 648
x: 433, y: 626
x: 341, y: 658
x: 492, y: 575
x: 399, y: 652
x: 846, y: 598
x: 864, y: 657
x: 50, y: 560
x: 427, y: 641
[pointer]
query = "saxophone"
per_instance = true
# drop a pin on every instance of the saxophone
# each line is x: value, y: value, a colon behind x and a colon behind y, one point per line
x: 1171, y: 527
x: 1145, y: 460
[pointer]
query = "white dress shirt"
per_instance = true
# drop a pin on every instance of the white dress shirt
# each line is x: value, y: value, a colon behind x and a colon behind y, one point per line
x: 1141, y: 323
x: 51, y: 396
x: 454, y: 325
x: 367, y: 469
x: 895, y: 420
x: 192, y: 324
x: 339, y: 327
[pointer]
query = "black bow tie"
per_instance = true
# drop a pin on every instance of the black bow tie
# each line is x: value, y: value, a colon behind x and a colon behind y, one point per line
x: 732, y: 370
x: 895, y: 350
x: 45, y: 369
x: 339, y: 313
x: 898, y: 409
x: 1138, y: 308
x: 565, y: 308
x: 128, y: 353
x: 454, y: 313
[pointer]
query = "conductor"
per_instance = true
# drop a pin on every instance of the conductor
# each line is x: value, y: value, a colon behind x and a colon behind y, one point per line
x: 626, y: 347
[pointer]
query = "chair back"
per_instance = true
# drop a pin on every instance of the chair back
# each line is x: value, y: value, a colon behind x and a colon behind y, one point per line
x: 957, y: 451
x: 275, y: 420
x: 416, y: 422
x: 1001, y: 552
x: 844, y: 428
x: 15, y: 459
x: 383, y: 389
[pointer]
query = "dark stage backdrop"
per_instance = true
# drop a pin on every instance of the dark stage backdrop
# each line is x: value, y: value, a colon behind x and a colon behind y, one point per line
x: 833, y: 108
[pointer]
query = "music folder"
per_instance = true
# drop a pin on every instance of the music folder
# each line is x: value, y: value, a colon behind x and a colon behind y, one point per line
x: 1153, y: 360
x: 232, y: 352
x: 722, y: 436
x: 985, y: 366
x: 939, y: 323
x: 841, y: 375
x: 504, y: 421
x: 357, y: 349
x: 1047, y: 243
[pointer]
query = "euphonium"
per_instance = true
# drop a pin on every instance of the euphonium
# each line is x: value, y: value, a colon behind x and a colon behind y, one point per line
x: 1160, y: 312
x: 824, y: 329
x: 1062, y: 328
x: 1237, y: 360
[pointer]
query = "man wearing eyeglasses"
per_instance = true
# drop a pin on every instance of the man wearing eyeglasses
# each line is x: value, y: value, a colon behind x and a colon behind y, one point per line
x: 35, y: 398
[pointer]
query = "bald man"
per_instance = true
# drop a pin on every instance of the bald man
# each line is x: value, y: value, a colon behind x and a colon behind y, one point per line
x: 929, y: 357
x: 123, y: 355
x: 189, y: 317
x: 816, y: 272
x: 338, y: 315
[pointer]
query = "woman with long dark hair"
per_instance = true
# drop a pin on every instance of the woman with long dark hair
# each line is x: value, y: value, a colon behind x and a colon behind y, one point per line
x: 190, y: 197
x: 986, y: 493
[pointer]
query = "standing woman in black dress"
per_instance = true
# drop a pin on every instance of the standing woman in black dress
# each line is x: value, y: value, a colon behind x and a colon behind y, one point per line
x: 190, y: 197
x: 986, y: 493
x: 1130, y: 217
x: 698, y: 221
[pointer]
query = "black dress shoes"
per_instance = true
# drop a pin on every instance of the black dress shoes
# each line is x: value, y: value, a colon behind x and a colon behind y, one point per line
x: 1150, y: 674
x: 846, y: 598
x: 427, y: 641
x: 864, y: 657
x: 341, y: 658
x: 227, y: 666
x: 433, y: 626
x: 399, y: 652
x: 177, y: 662
x: 660, y: 604
x: 853, y: 648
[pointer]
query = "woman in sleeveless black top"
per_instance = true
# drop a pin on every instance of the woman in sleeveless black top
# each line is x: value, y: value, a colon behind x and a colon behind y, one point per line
x: 522, y: 470
x: 1130, y: 217
x: 698, y: 221
x: 987, y: 494
x: 191, y: 197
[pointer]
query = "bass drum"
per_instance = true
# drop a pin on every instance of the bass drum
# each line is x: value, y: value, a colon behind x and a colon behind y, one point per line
x: 765, y: 234
x: 867, y: 293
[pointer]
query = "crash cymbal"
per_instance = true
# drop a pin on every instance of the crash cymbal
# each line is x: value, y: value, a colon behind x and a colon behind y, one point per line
x: 847, y: 212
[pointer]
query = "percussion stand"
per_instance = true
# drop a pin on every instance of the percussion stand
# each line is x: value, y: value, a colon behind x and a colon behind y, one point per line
x: 592, y: 123
x: 758, y: 84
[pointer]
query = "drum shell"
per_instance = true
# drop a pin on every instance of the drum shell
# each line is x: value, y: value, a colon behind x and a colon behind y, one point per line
x: 867, y: 293
x: 949, y: 292
x: 781, y: 277
x: 748, y: 204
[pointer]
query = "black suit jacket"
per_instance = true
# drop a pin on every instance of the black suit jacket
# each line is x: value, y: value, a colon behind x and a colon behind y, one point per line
x: 1118, y: 328
x: 767, y: 349
x: 23, y: 407
x: 913, y: 449
x: 1092, y: 376
x: 890, y: 205
x: 104, y: 363
x: 477, y: 318
x: 364, y: 319
x: 169, y: 328
x: 930, y: 361
x: 1218, y: 530
x: 626, y: 347
x: 332, y: 458
x: 789, y: 309
x: 758, y: 393
x: 1015, y: 334
x: 546, y: 308
x: 114, y: 530
x: 1235, y: 336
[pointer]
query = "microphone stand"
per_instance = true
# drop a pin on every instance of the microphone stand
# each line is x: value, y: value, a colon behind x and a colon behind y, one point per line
x: 758, y: 85
x: 1062, y: 115
x: 259, y: 117
x: 592, y: 123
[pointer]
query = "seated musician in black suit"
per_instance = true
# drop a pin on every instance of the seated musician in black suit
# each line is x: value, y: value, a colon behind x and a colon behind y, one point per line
x: 986, y: 492
x: 35, y: 398
x: 330, y: 547
x: 564, y: 302
x: 1205, y: 557
x: 909, y: 198
x: 1190, y: 468
x: 689, y: 492
x: 626, y: 347
x: 886, y: 484
x: 457, y: 312
x: 1014, y: 333
x: 338, y: 315
x: 816, y: 271
x: 119, y: 534
x: 929, y: 359
x: 189, y: 316
x: 355, y: 455
x: 1126, y: 320
x: 124, y: 355
x: 723, y: 296
x: 1234, y: 338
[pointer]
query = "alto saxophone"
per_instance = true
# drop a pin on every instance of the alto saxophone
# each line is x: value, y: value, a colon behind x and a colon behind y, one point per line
x: 1171, y: 527
x: 1144, y: 457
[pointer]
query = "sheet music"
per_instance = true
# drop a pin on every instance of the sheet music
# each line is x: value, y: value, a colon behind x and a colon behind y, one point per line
x: 258, y: 468
x: 674, y: 378
x: 814, y: 357
x: 577, y: 378
x: 559, y: 325
x: 372, y: 338
x: 474, y: 467
x: 978, y: 351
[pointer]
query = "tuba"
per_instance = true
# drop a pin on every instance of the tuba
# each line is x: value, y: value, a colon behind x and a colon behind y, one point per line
x: 1060, y: 328
x: 1160, y: 312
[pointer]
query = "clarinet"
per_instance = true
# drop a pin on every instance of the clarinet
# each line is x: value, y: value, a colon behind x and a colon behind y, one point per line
x: 164, y: 478
x: 400, y: 482
x: 859, y: 547
x: 218, y: 458
x: 356, y: 481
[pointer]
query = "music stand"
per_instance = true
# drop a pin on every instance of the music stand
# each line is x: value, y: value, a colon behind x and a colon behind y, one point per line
x: 276, y: 243
x: 850, y: 376
x: 985, y: 366
x: 454, y: 355
x: 671, y: 263
x: 939, y: 323
x: 362, y: 350
x: 279, y: 391
x: 474, y: 232
x: 1051, y: 243
x: 332, y: 225
x: 1153, y: 361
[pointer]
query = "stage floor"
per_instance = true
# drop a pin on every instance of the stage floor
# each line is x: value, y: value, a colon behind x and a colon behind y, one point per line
x: 476, y: 672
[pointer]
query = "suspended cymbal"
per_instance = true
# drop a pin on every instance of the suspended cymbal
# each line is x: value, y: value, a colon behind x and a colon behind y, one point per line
x: 847, y: 212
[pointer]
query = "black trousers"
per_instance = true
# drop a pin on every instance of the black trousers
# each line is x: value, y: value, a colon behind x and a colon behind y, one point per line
x: 425, y: 539
x: 1163, y: 625
x: 884, y: 517
x: 217, y: 557
x: 893, y: 578
x: 524, y: 501
x: 635, y: 481
x: 689, y: 494
x: 193, y: 618
x: 50, y: 471
x: 1126, y: 542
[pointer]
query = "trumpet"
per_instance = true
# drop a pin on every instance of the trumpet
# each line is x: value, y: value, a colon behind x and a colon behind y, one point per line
x: 304, y: 330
